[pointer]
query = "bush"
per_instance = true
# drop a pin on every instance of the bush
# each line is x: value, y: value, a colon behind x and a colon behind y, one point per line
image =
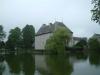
x: 81, y: 44
x: 94, y: 44
x: 57, y: 42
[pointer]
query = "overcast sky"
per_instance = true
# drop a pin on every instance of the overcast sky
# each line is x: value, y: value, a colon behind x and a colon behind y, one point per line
x: 75, y: 14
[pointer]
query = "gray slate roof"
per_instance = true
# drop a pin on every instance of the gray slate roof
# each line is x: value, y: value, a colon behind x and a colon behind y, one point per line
x: 44, y: 29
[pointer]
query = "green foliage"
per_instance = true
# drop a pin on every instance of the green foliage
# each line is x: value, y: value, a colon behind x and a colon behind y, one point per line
x: 81, y: 44
x: 96, y: 11
x: 14, y: 38
x: 57, y: 42
x: 2, y: 33
x: 28, y: 34
x: 2, y: 44
x: 94, y: 44
x: 18, y: 39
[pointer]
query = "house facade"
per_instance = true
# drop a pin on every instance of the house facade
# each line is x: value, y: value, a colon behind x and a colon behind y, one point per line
x: 46, y: 31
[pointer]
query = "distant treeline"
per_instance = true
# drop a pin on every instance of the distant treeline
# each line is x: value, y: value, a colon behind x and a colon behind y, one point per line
x: 18, y: 38
x: 24, y: 39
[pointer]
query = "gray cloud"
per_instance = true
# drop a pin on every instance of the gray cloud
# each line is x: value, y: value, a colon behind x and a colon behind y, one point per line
x: 74, y: 13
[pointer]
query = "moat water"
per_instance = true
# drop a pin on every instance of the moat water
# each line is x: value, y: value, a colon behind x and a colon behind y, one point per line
x: 69, y: 64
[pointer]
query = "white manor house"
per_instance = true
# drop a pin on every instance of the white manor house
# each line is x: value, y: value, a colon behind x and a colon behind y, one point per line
x: 46, y: 31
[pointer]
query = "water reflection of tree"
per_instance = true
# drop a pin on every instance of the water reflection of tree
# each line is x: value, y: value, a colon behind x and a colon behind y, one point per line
x: 13, y: 63
x: 59, y: 65
x: 79, y: 55
x: 94, y: 58
x: 28, y: 64
x: 18, y: 63
x: 2, y: 66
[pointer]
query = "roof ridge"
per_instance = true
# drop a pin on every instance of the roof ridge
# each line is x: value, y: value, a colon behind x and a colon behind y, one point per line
x: 50, y: 28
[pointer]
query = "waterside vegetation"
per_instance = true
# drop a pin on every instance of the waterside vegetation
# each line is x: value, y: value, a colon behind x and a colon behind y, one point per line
x: 23, y: 39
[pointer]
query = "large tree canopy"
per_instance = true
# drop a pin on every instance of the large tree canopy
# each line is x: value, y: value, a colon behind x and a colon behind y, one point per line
x: 14, y: 38
x: 81, y: 44
x: 57, y: 42
x: 96, y: 11
x: 28, y: 33
x: 2, y: 33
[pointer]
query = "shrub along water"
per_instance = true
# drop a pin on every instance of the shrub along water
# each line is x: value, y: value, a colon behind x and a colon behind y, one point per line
x: 94, y: 44
x: 57, y: 42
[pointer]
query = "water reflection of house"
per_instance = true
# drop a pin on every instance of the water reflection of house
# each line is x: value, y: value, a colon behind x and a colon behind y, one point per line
x: 45, y: 32
x: 40, y: 64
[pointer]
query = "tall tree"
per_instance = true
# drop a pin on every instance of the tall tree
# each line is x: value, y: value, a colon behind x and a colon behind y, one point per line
x: 2, y: 33
x: 28, y: 33
x: 14, y: 38
x: 96, y: 11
